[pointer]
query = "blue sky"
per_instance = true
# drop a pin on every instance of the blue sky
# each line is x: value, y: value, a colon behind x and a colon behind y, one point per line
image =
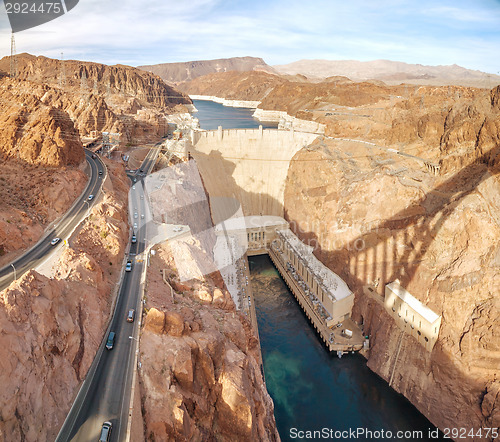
x: 137, y: 32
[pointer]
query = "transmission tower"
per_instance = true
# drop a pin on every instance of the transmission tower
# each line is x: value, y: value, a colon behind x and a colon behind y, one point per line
x: 62, y: 74
x: 13, y: 57
x: 83, y: 81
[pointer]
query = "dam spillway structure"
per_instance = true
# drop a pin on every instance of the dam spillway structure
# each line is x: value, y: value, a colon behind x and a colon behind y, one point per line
x: 250, y: 167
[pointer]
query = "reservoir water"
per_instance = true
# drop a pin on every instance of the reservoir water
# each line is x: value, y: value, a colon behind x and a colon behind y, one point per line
x: 213, y: 115
x: 312, y: 389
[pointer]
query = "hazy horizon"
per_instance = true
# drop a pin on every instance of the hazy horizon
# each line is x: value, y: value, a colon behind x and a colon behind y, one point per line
x: 126, y: 32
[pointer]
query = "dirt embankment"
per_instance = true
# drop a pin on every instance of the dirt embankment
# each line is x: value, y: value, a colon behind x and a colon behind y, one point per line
x: 51, y: 328
x: 200, y: 376
x: 25, y: 213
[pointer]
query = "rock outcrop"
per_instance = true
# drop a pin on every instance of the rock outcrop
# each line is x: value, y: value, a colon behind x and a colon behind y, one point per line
x: 374, y: 218
x: 51, y: 328
x: 200, y: 370
x: 34, y: 129
x: 144, y: 87
x: 96, y: 97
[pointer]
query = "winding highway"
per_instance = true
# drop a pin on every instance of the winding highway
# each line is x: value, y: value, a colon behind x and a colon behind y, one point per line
x: 62, y: 229
x: 105, y: 394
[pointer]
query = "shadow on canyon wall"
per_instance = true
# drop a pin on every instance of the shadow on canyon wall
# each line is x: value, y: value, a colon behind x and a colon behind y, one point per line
x: 418, y: 233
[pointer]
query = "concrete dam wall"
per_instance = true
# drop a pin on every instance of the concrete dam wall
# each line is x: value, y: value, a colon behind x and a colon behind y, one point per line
x: 247, y: 165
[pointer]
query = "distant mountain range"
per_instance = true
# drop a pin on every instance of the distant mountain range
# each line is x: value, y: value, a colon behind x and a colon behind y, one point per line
x: 175, y: 73
x: 390, y: 72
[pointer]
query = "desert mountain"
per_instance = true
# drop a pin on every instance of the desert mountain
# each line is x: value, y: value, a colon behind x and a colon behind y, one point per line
x: 96, y: 77
x: 391, y: 72
x: 179, y: 72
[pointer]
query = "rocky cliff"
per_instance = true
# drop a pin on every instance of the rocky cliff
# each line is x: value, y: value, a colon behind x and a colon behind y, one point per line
x: 189, y: 70
x: 52, y: 326
x: 35, y: 128
x: 41, y: 164
x: 375, y: 216
x: 96, y: 97
x: 200, y: 364
x: 140, y: 85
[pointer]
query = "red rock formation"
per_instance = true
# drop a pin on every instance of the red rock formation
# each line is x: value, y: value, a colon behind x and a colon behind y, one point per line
x: 375, y: 218
x: 143, y: 86
x: 34, y: 130
x: 100, y: 98
x: 200, y: 365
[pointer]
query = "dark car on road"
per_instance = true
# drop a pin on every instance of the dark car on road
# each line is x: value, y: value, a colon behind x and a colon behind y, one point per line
x: 106, y: 432
x: 111, y: 340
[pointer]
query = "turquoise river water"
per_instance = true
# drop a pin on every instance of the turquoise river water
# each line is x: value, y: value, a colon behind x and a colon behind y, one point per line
x: 312, y: 389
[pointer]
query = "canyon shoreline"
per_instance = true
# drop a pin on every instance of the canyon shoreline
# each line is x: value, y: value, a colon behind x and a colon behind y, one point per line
x: 285, y: 120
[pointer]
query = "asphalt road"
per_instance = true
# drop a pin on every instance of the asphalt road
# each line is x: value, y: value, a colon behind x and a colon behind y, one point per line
x: 149, y: 161
x: 43, y: 249
x: 105, y: 393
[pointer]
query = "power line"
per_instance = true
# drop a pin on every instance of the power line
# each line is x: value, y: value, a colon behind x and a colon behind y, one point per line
x: 83, y: 81
x: 62, y: 74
